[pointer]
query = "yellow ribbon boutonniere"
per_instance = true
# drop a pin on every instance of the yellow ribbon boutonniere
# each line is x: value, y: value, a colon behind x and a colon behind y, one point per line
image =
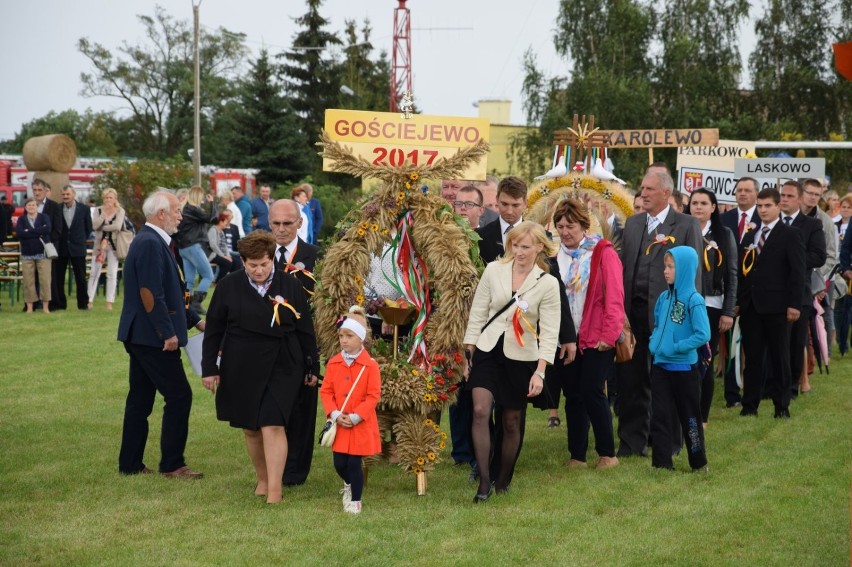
x: 277, y: 302
x: 710, y: 246
x: 748, y: 259
x: 659, y: 239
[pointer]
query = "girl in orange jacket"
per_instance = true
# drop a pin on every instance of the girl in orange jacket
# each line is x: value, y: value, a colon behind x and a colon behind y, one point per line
x: 357, y: 425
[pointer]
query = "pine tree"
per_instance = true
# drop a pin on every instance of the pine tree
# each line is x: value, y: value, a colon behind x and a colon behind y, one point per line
x: 312, y: 77
x: 260, y: 130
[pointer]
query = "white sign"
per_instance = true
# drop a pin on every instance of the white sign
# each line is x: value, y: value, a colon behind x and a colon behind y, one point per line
x: 719, y: 158
x: 788, y: 168
x: 711, y: 167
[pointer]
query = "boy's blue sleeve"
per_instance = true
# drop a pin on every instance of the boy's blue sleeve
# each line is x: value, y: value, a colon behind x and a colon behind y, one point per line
x: 700, y: 326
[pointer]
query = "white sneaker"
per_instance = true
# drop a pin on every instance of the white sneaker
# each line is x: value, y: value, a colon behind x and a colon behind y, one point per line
x: 353, y: 507
x: 346, y: 491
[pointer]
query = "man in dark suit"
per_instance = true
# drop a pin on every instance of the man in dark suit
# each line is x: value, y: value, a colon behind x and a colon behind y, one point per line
x: 743, y: 222
x: 815, y: 255
x: 647, y: 237
x: 75, y: 228
x: 154, y: 321
x: 769, y: 299
x: 299, y: 258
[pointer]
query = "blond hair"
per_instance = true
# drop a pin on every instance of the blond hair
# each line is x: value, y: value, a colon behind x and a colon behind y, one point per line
x: 538, y: 235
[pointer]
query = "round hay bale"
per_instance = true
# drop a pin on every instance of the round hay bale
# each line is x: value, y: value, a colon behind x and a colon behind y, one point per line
x: 55, y: 152
x: 56, y: 180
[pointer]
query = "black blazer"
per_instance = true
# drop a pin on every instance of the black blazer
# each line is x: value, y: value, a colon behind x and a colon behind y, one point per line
x: 491, y: 245
x: 815, y: 251
x: 72, y: 240
x: 720, y: 280
x: 776, y: 281
x: 53, y: 211
x: 567, y: 333
x: 731, y: 219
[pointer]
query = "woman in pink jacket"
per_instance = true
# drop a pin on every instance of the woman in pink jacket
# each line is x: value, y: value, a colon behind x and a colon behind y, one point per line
x: 591, y: 275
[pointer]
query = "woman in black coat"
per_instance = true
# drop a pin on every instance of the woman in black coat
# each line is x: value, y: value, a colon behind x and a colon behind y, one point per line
x: 259, y: 347
x: 718, y: 265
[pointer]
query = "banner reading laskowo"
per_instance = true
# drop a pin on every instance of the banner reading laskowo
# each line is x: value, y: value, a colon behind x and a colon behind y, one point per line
x: 386, y: 138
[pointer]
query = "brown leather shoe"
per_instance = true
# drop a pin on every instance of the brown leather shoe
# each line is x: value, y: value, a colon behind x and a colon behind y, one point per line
x: 146, y: 470
x: 607, y: 462
x: 576, y: 464
x: 184, y: 472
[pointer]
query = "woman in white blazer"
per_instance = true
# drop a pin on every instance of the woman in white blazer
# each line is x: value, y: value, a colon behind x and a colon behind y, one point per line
x: 512, y: 334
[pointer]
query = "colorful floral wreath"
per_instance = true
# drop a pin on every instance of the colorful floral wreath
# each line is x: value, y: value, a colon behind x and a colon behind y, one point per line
x: 440, y: 276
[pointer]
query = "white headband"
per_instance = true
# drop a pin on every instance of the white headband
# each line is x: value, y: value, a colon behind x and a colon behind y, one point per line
x: 352, y: 325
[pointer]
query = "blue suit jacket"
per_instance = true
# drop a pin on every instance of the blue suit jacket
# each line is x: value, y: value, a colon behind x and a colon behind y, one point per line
x: 154, y: 303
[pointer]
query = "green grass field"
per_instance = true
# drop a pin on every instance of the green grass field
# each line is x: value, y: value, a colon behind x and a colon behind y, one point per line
x: 778, y: 492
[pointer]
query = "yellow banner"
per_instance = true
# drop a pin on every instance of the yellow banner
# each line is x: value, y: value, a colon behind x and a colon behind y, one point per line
x: 386, y: 138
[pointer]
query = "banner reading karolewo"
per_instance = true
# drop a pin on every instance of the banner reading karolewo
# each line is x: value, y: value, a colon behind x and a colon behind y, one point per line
x: 386, y: 138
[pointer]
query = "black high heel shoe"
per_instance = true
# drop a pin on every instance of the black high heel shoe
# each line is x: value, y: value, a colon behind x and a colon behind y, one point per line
x: 482, y: 497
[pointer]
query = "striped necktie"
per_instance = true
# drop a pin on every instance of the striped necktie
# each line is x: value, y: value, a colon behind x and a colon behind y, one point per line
x: 764, y: 232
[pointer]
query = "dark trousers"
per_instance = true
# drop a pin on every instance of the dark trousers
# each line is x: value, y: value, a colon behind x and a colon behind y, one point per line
x: 153, y: 370
x: 301, y: 430
x: 586, y: 403
x: 676, y: 394
x: 634, y: 389
x: 798, y: 342
x: 348, y: 468
x: 60, y: 268
x: 707, y: 384
x: 225, y: 267
x: 842, y: 321
x: 769, y: 336
x: 461, y: 418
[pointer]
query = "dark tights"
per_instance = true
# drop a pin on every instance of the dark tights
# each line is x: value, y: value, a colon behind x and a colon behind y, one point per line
x: 483, y: 401
x: 349, y: 469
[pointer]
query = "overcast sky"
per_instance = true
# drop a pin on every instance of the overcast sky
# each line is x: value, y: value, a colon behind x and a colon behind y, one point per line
x: 476, y: 55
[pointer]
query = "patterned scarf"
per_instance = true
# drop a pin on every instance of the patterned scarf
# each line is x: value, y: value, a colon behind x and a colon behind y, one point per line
x: 581, y: 261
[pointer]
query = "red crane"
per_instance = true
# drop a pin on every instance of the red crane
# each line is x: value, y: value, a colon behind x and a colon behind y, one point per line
x: 401, y: 63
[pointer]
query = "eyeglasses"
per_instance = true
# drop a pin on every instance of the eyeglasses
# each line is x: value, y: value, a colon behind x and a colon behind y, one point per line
x: 284, y: 223
x: 814, y: 194
x: 465, y: 204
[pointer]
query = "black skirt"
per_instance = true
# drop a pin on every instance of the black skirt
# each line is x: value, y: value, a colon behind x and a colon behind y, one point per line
x: 508, y: 380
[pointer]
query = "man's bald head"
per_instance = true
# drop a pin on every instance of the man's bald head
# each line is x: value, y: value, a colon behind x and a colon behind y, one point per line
x: 285, y: 219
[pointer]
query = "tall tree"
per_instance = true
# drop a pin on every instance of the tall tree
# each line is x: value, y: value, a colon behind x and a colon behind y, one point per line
x: 369, y: 79
x: 698, y: 73
x: 312, y: 76
x: 259, y: 129
x: 154, y: 79
x: 606, y: 45
x: 791, y: 67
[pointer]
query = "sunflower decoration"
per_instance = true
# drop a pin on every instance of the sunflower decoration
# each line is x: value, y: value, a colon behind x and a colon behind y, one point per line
x: 435, y: 269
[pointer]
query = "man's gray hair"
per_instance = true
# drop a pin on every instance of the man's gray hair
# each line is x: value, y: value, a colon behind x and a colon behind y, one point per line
x: 155, y: 203
x: 666, y: 181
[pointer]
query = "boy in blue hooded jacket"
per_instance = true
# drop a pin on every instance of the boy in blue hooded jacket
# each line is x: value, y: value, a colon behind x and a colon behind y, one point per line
x: 681, y: 327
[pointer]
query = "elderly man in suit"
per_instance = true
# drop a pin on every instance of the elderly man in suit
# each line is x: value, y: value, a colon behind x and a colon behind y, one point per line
x: 297, y: 257
x: 154, y: 321
x: 75, y: 228
x: 769, y: 300
x: 647, y: 237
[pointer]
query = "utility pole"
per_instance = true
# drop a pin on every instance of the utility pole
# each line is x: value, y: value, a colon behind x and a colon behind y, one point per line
x: 196, y: 154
